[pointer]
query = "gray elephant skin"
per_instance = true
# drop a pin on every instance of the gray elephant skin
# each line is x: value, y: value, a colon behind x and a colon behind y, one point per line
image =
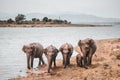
x: 79, y: 60
x: 88, y: 48
x: 67, y: 51
x: 33, y: 50
x: 51, y: 53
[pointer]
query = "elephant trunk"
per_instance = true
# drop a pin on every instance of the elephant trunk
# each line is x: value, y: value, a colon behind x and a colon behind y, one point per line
x: 49, y: 63
x: 65, y: 60
x: 28, y: 61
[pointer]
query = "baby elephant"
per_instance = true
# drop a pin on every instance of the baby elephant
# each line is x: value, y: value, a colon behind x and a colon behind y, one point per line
x: 33, y: 50
x: 66, y: 50
x: 79, y: 60
x: 51, y: 53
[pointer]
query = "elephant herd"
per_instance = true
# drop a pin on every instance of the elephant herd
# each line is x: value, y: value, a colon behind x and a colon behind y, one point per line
x: 83, y: 59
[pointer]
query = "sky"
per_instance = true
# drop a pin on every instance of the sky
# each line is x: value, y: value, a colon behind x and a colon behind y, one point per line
x: 101, y: 8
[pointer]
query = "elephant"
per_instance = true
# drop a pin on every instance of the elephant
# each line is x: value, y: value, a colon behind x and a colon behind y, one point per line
x: 79, y: 60
x: 33, y: 50
x: 88, y: 48
x: 67, y: 51
x: 51, y: 53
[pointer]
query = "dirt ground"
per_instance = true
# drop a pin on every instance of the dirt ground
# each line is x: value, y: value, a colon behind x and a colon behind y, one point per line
x: 105, y: 66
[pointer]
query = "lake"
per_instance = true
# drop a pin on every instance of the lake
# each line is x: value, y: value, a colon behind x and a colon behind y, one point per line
x: 13, y: 60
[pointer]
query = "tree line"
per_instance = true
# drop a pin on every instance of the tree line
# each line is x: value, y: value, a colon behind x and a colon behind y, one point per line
x: 21, y: 19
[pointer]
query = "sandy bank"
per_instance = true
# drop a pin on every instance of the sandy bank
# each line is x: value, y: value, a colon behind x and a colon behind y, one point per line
x: 106, y: 66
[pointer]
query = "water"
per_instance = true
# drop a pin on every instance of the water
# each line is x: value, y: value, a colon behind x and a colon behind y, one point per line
x: 13, y: 60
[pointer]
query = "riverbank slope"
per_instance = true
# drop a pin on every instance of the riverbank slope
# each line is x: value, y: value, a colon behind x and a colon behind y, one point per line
x: 105, y: 66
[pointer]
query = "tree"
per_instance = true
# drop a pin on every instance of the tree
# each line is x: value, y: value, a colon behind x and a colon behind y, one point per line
x: 19, y: 18
x: 35, y: 19
x: 10, y: 21
x: 45, y: 19
x: 65, y: 21
x: 49, y: 20
x: 38, y: 19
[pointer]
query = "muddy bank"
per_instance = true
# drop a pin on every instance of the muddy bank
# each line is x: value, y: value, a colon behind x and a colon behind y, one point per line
x: 105, y: 66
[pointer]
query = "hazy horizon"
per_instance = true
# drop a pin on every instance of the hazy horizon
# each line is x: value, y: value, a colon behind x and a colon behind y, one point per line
x: 101, y: 8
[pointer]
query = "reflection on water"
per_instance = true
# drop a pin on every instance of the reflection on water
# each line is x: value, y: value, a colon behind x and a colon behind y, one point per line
x: 13, y: 60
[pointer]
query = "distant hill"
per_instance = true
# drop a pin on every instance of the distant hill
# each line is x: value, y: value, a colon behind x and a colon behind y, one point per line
x: 74, y: 18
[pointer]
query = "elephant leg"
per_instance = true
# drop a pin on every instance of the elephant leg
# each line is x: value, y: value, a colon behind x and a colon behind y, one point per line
x: 77, y: 61
x: 90, y: 57
x: 69, y: 59
x: 54, y: 62
x: 39, y: 64
x: 28, y: 61
x: 32, y: 59
x: 63, y: 60
x: 81, y: 62
x: 89, y: 60
x: 42, y: 60
x: 85, y: 61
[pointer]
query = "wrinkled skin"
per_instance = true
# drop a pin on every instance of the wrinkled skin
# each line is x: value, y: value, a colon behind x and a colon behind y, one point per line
x: 51, y: 53
x: 33, y: 50
x: 66, y: 50
x: 88, y: 48
x: 79, y: 60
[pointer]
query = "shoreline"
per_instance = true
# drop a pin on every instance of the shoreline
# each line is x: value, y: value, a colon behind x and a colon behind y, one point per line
x: 54, y: 25
x: 105, y: 65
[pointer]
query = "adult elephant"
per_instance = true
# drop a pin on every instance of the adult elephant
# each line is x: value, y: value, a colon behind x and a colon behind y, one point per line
x: 51, y: 53
x: 33, y: 50
x: 88, y: 48
x: 66, y: 50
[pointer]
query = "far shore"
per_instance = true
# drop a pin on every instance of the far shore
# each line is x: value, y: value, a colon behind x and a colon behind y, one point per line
x: 53, y: 25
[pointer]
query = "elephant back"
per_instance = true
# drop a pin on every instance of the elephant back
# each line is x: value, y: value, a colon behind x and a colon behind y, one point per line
x: 38, y: 49
x: 66, y: 47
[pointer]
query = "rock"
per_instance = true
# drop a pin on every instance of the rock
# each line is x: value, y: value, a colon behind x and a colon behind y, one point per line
x: 119, y: 65
x: 106, y: 66
x: 118, y: 56
x: 90, y: 77
x: 20, y: 71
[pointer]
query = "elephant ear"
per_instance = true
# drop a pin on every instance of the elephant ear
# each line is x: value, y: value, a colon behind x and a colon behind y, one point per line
x: 45, y: 51
x: 33, y: 50
x: 61, y: 49
x: 69, y: 49
x: 91, y: 42
x: 56, y: 50
x: 23, y: 49
x: 79, y: 43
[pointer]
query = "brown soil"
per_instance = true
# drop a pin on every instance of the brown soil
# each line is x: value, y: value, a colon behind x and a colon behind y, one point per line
x: 51, y: 25
x: 33, y: 25
x: 105, y: 66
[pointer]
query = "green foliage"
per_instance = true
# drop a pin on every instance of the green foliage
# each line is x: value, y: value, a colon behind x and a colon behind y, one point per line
x: 35, y: 19
x: 49, y: 20
x: 45, y: 19
x: 10, y: 21
x: 19, y: 18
